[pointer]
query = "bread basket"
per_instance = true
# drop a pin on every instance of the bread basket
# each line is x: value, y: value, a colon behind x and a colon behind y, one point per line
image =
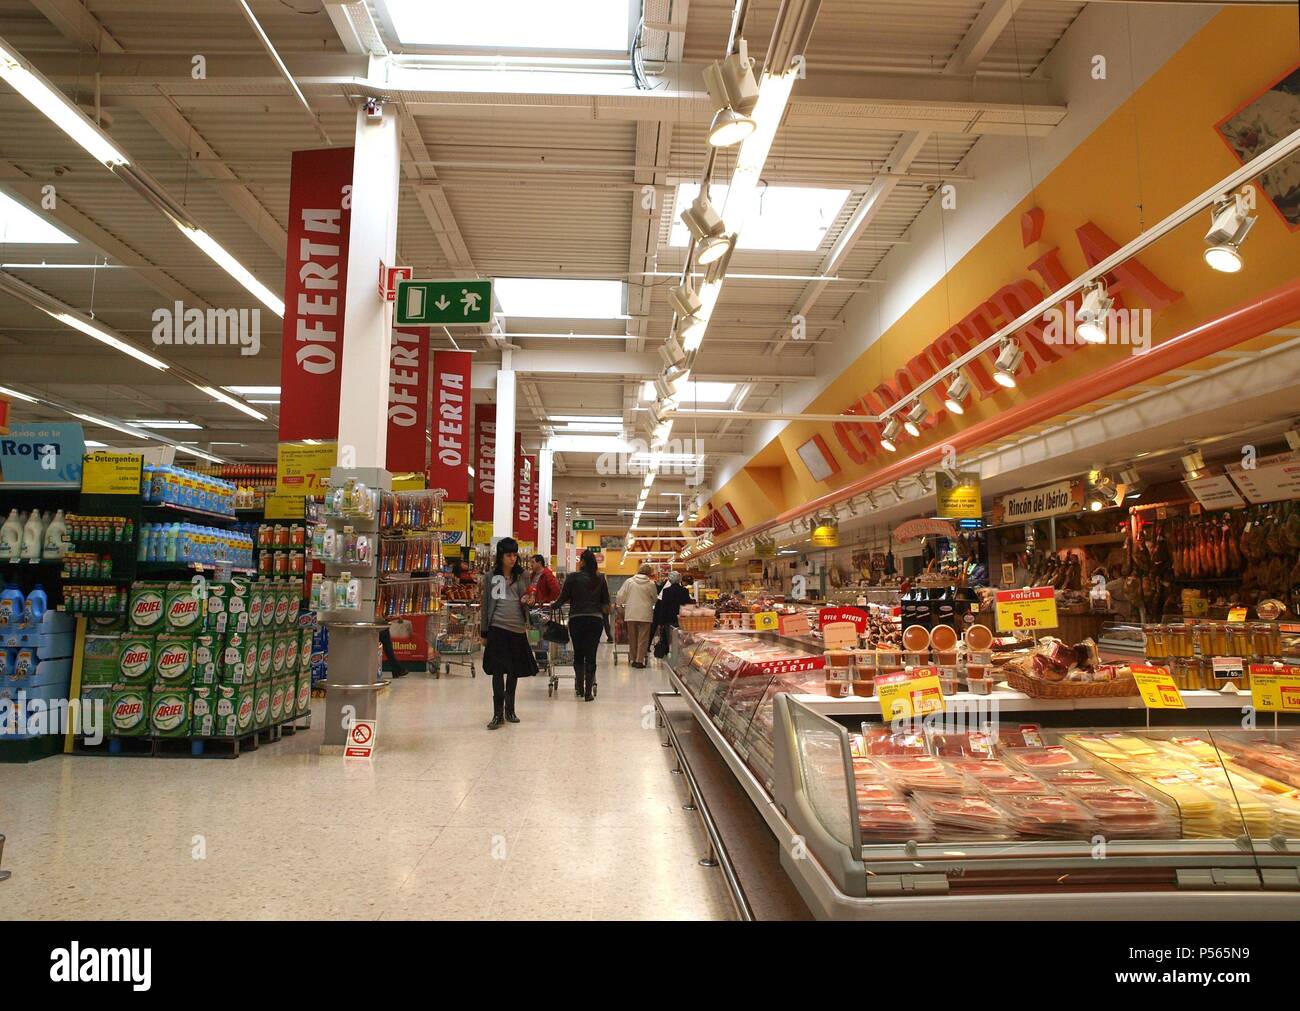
x: 1037, y: 688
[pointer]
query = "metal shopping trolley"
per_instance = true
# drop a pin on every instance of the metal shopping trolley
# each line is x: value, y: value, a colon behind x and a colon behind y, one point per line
x: 619, y: 628
x: 456, y: 637
x: 550, y: 656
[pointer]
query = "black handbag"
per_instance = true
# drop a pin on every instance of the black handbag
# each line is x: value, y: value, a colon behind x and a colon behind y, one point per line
x: 554, y: 631
x: 661, y: 647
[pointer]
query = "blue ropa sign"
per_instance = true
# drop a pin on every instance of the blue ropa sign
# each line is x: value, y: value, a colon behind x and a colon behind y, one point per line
x: 35, y: 454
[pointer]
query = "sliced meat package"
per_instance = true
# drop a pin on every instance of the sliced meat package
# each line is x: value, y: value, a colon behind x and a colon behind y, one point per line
x: 892, y: 822
x: 1049, y: 816
x: 963, y: 816
x: 921, y: 772
x: 1047, y: 759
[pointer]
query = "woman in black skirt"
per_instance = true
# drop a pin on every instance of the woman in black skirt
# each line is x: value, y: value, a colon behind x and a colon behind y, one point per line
x: 507, y: 657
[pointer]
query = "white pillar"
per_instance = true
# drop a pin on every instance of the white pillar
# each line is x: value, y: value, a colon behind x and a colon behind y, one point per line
x: 503, y: 503
x: 545, y: 461
x: 367, y: 320
x: 561, y: 536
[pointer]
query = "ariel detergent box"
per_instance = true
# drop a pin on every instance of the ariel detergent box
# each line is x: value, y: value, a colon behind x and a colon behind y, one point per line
x: 207, y: 659
x: 173, y: 661
x: 202, y: 711
x: 233, y: 709
x: 136, y: 658
x: 145, y: 609
x: 227, y: 606
x: 128, y: 711
x: 184, y: 607
x: 169, y: 712
x: 101, y: 659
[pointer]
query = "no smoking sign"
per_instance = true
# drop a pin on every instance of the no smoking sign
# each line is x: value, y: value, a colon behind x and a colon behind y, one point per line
x: 361, y: 739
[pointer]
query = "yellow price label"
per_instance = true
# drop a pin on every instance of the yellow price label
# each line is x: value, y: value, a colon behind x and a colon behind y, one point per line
x: 1237, y: 614
x: 111, y: 473
x: 1275, y: 690
x: 1158, y: 688
x: 1029, y: 610
x: 711, y: 595
x: 302, y: 469
x: 903, y: 696
x: 284, y: 507
x: 766, y: 621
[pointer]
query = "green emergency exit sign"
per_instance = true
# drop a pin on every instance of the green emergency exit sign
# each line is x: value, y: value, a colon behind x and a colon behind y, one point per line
x: 584, y: 525
x: 443, y: 303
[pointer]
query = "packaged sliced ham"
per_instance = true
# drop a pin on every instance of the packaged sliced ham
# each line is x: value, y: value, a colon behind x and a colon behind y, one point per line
x: 876, y: 792
x: 1050, y: 815
x: 1027, y: 735
x: 892, y: 822
x: 921, y: 772
x: 1016, y: 784
x: 1069, y: 778
x: 1054, y: 757
x: 955, y: 816
x: 880, y: 739
x: 979, y: 768
x: 975, y: 744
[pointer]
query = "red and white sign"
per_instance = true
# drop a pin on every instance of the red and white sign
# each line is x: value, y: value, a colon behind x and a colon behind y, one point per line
x: 854, y: 614
x: 315, y: 283
x: 485, y: 459
x: 410, y: 635
x: 449, y: 425
x: 361, y: 740
x: 408, y: 399
x: 388, y: 278
x: 526, y: 499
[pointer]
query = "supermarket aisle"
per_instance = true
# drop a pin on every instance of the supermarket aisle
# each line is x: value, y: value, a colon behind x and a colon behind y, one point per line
x: 571, y: 814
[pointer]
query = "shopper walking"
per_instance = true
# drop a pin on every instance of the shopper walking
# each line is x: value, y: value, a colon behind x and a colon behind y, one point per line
x: 544, y: 586
x: 507, y: 657
x: 638, y: 597
x: 668, y: 609
x: 587, y: 595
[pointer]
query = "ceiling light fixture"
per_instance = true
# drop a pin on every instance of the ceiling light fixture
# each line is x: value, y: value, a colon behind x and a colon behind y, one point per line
x: 1009, y: 360
x: 890, y: 433
x: 7, y: 392
x: 1093, y: 312
x: 731, y: 85
x: 230, y: 401
x: 915, y: 419
x: 958, y: 390
x: 706, y: 227
x: 217, y: 253
x: 91, y: 330
x: 1230, y: 223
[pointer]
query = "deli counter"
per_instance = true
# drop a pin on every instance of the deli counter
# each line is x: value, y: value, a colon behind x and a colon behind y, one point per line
x: 974, y: 812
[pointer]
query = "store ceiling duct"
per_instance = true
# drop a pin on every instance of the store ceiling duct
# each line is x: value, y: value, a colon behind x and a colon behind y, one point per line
x: 1230, y: 223
x: 731, y: 85
x: 958, y: 390
x: 915, y: 419
x: 1093, y: 313
x: 1009, y: 361
x: 706, y: 227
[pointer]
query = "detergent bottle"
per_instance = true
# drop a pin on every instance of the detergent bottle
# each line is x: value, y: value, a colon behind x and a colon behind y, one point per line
x: 54, y: 535
x: 33, y: 533
x: 11, y: 537
x: 36, y: 605
x: 11, y: 605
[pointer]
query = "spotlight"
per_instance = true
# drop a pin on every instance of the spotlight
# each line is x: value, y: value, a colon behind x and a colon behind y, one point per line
x: 958, y: 390
x: 1092, y: 313
x: 897, y: 490
x: 734, y: 91
x: 705, y: 225
x: 1230, y: 223
x: 915, y: 419
x: 1096, y: 502
x: 889, y: 434
x: 1008, y: 363
x: 684, y: 300
x: 1129, y: 477
x: 1193, y: 464
x: 871, y: 497
x: 672, y: 352
x: 1293, y: 438
x: 925, y: 481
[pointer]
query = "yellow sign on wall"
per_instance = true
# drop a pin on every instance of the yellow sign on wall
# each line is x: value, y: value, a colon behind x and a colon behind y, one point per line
x: 303, y: 469
x: 826, y: 536
x: 960, y: 501
x: 455, y: 528
x: 481, y: 532
x: 111, y: 473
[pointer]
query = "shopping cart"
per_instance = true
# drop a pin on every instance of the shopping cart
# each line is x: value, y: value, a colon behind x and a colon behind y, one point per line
x: 550, y: 656
x: 620, y: 635
x: 455, y: 638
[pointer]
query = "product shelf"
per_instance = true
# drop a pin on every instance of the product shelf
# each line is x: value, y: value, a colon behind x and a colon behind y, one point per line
x: 172, y: 507
x: 146, y: 568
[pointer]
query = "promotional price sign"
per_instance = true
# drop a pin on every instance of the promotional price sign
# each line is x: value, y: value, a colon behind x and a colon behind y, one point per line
x: 1026, y: 610
x: 827, y: 615
x: 1157, y: 688
x: 304, y: 469
x: 916, y: 693
x: 1275, y: 689
x: 766, y: 621
x: 285, y: 507
x: 1237, y: 614
x: 111, y: 473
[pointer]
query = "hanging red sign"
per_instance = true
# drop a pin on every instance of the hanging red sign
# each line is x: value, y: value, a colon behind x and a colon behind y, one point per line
x: 526, y: 498
x: 408, y: 399
x: 315, y: 283
x: 449, y: 428
x: 485, y: 457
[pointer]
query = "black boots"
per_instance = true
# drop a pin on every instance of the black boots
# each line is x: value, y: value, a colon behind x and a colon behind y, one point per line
x: 498, y: 716
x: 589, y: 685
x: 510, y: 707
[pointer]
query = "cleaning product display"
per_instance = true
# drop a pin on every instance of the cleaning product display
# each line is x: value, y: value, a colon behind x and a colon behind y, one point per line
x: 32, y: 536
x: 36, y: 650
x: 189, y: 542
x: 99, y: 529
x: 189, y: 489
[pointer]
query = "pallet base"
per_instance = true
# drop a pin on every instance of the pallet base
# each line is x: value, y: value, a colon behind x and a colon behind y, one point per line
x: 194, y: 747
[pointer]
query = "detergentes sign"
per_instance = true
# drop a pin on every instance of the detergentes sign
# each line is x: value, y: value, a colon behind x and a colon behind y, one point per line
x: 315, y: 282
x: 449, y: 428
x: 408, y: 402
x: 526, y: 498
x: 485, y: 458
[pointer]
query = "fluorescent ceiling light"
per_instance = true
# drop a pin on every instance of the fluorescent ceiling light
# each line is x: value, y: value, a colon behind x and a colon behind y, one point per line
x: 234, y: 268
x: 597, y: 25
x: 587, y: 444
x: 251, y: 391
x: 238, y: 405
x: 90, y: 330
x: 253, y: 400
x: 599, y: 426
x: 789, y: 217
x: 199, y: 453
x: 594, y: 419
x: 694, y: 392
x: 103, y: 423
x: 93, y: 444
x: 19, y: 225
x: 51, y: 102
x: 657, y: 458
x: 162, y: 424
x: 6, y: 391
x: 560, y: 298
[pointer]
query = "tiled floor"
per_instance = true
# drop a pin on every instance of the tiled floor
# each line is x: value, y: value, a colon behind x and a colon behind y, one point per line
x: 571, y: 814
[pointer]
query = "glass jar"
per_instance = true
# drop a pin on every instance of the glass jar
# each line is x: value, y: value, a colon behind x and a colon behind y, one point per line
x: 1222, y: 640
x: 1157, y: 645
x: 1239, y: 641
x: 1261, y: 639
x: 1180, y: 641
x: 1205, y: 637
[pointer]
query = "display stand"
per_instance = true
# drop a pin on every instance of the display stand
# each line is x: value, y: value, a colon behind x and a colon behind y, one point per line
x: 353, y: 683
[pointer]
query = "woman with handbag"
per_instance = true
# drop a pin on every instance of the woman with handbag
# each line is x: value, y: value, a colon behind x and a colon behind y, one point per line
x: 587, y: 595
x: 503, y: 624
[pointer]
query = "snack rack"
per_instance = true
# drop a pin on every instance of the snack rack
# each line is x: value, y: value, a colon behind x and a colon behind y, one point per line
x: 409, y: 557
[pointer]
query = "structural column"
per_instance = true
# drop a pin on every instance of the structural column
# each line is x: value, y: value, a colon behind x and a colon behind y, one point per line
x: 503, y: 504
x: 562, y: 536
x: 545, y: 462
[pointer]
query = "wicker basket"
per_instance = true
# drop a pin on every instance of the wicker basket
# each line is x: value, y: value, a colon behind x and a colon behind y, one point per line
x: 1040, y: 689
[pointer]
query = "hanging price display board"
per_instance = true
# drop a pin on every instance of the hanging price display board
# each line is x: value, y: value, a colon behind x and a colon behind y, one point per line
x: 1275, y: 689
x: 1030, y: 610
x: 914, y: 693
x: 1157, y: 688
x: 304, y: 469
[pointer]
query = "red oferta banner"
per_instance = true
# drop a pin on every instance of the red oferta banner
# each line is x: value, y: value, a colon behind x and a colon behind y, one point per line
x: 315, y: 282
x: 526, y: 498
x: 449, y: 425
x: 408, y: 399
x: 485, y: 455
